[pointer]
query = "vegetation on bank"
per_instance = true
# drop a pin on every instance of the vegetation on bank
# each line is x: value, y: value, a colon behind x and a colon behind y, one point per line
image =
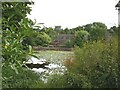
x: 95, y: 63
x: 91, y: 68
x: 95, y: 66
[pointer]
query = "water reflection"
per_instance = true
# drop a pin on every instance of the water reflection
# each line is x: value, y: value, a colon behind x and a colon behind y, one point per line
x: 50, y: 68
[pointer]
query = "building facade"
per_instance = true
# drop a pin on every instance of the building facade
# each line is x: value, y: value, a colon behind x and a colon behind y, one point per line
x: 57, y: 28
x: 118, y: 8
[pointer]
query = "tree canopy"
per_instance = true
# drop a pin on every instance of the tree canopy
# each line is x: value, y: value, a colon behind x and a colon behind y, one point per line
x: 16, y: 26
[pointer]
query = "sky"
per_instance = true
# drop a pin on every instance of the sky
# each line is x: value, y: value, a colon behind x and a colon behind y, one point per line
x: 73, y: 13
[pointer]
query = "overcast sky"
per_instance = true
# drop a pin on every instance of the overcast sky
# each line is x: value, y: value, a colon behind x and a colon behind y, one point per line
x: 73, y: 13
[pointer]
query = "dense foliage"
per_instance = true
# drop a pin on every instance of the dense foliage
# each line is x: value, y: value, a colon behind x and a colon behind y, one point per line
x: 81, y: 37
x: 15, y: 28
x: 86, y: 33
x: 98, y: 62
x: 38, y: 39
x: 95, y: 63
x: 25, y: 79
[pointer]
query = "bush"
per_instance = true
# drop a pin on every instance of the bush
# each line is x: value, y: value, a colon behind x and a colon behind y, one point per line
x: 38, y: 38
x: 69, y: 44
x: 25, y: 79
x: 98, y: 62
x: 42, y: 39
x: 81, y: 37
x: 68, y: 80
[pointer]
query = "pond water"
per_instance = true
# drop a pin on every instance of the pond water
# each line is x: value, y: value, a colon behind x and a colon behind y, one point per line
x: 56, y: 59
x: 51, y: 68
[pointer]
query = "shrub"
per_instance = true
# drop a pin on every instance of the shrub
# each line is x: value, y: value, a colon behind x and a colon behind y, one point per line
x: 81, y: 37
x: 98, y: 62
x: 68, y: 80
x: 25, y: 79
x: 69, y: 44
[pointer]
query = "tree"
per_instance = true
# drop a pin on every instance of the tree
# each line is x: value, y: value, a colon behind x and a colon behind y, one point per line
x: 81, y: 37
x: 51, y: 32
x: 16, y: 26
x: 87, y: 27
x: 42, y: 39
x: 97, y: 30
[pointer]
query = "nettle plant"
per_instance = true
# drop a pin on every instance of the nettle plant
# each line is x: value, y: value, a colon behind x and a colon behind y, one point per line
x: 16, y: 26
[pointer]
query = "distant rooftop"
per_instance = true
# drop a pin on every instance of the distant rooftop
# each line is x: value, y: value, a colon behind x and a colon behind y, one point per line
x: 57, y: 27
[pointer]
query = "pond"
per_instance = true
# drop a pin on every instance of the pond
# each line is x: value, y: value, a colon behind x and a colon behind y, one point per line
x: 56, y: 61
